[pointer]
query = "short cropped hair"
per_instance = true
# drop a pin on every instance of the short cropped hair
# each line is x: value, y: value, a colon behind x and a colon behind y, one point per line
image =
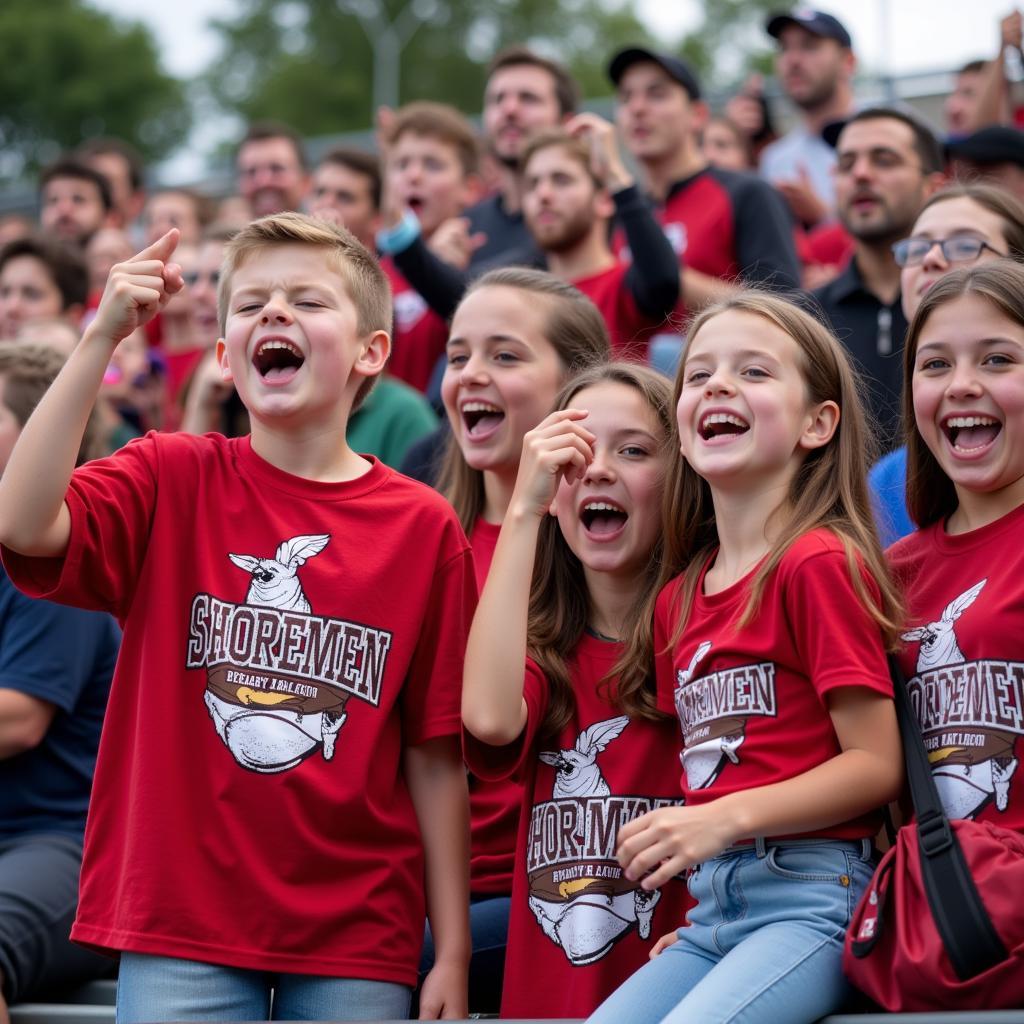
x: 258, y: 131
x: 64, y: 263
x: 359, y: 161
x: 441, y: 122
x: 366, y: 283
x: 26, y: 372
x: 576, y: 148
x: 108, y: 144
x: 69, y: 167
x: 567, y: 90
x: 926, y: 145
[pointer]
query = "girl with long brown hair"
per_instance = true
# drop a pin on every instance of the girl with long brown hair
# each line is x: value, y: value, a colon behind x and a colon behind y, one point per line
x: 770, y: 640
x: 565, y: 598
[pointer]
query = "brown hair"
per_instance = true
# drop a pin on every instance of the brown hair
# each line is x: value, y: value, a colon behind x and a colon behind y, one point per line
x: 1004, y: 205
x: 440, y: 122
x: 575, y: 330
x: 260, y: 131
x: 70, y: 168
x: 559, y: 599
x: 26, y: 372
x: 109, y: 145
x: 366, y: 283
x: 576, y: 149
x: 567, y: 92
x: 828, y: 490
x: 64, y: 263
x: 931, y: 496
x: 358, y: 161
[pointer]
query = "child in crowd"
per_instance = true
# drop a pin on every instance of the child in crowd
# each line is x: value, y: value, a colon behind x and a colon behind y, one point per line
x: 582, y: 727
x: 962, y: 570
x: 770, y: 648
x: 289, y: 671
x: 431, y: 169
x: 515, y: 339
x: 41, y: 278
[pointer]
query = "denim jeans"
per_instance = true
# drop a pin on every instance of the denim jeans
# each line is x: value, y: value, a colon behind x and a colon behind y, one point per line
x: 764, y: 942
x: 156, y: 988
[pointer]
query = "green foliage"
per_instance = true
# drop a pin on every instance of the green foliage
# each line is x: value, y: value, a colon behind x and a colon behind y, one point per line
x: 68, y: 71
x: 309, y: 63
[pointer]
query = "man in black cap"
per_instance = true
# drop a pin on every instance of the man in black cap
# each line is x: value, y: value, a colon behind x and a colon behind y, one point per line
x: 995, y: 153
x: 723, y: 225
x: 814, y: 65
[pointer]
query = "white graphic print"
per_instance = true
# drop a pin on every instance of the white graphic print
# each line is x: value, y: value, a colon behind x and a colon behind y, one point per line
x: 578, y: 893
x: 970, y: 714
x: 279, y: 677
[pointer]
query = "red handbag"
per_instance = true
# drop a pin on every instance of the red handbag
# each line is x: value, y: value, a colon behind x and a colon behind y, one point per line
x: 941, y: 927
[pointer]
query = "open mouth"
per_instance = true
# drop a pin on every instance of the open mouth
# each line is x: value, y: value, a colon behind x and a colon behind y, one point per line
x: 971, y: 433
x: 481, y: 418
x: 602, y: 519
x: 277, y: 360
x: 415, y: 203
x: 722, y: 424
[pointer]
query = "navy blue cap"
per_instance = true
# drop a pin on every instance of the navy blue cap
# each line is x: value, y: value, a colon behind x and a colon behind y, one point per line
x: 676, y: 69
x: 818, y: 23
x: 996, y: 144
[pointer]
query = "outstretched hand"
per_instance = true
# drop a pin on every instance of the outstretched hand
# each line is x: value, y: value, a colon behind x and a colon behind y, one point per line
x: 138, y: 289
x: 558, y: 447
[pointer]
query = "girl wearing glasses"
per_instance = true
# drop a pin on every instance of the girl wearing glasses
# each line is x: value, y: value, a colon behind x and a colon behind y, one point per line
x: 963, y: 225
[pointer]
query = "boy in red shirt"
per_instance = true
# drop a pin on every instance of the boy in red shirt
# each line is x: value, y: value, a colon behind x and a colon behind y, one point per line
x: 285, y: 709
x: 431, y: 168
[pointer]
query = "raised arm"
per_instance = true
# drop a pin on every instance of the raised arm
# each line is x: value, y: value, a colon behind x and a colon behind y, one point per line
x: 493, y: 709
x: 34, y: 518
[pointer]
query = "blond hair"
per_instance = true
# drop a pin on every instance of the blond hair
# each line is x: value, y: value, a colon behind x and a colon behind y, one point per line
x: 560, y: 603
x: 366, y: 284
x: 576, y: 331
x: 829, y: 489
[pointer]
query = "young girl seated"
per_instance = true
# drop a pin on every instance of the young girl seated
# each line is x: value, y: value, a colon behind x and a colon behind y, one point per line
x: 516, y: 336
x: 581, y: 728
x: 770, y: 648
x: 963, y: 570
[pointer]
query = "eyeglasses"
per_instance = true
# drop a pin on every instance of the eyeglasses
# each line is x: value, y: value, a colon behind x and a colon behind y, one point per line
x: 959, y: 249
x: 193, y: 277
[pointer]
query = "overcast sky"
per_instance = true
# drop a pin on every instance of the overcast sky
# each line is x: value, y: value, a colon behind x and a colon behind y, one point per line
x: 890, y: 36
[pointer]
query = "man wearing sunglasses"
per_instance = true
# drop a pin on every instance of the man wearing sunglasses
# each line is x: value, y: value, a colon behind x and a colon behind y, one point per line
x: 888, y: 164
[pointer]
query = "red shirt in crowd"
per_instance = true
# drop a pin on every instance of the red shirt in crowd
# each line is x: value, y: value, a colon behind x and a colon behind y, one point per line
x: 419, y: 336
x: 578, y: 928
x: 494, y: 804
x: 629, y: 329
x: 284, y: 640
x: 962, y: 657
x: 751, y: 702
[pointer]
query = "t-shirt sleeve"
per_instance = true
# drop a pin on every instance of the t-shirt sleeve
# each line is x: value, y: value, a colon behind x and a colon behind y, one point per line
x: 432, y: 692
x: 111, y: 502
x: 765, y: 247
x: 836, y: 639
x: 506, y: 762
x: 47, y: 651
x: 663, y: 674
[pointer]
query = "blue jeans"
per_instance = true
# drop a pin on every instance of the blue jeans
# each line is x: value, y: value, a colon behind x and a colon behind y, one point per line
x: 764, y: 942
x: 156, y: 988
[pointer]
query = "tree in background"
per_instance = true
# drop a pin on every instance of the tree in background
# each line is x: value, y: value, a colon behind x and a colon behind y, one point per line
x: 68, y: 72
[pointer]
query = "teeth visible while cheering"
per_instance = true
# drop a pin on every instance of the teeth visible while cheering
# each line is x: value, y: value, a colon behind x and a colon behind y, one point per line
x: 601, y: 506
x: 286, y: 345
x: 479, y: 407
x: 971, y: 421
x: 724, y: 417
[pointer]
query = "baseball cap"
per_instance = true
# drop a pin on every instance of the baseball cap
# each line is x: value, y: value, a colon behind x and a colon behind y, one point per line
x: 676, y: 69
x: 818, y: 23
x: 996, y: 144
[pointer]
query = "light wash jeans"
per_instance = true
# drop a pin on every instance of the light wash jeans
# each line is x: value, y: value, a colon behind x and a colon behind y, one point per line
x: 764, y: 942
x: 157, y: 988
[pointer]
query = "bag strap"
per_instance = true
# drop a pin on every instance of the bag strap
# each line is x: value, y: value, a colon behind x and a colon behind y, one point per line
x: 968, y: 935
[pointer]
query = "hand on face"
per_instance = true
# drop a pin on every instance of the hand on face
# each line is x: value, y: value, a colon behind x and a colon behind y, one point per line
x: 138, y: 289
x: 559, y: 447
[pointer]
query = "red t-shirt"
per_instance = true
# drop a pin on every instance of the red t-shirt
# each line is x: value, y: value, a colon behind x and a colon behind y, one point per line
x: 578, y: 928
x: 629, y: 329
x: 493, y: 803
x: 751, y: 704
x: 964, y: 662
x: 419, y: 335
x: 284, y: 640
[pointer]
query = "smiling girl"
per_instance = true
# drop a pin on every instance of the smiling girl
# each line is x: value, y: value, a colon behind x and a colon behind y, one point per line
x: 515, y: 338
x: 580, y: 727
x: 962, y: 570
x: 770, y: 648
